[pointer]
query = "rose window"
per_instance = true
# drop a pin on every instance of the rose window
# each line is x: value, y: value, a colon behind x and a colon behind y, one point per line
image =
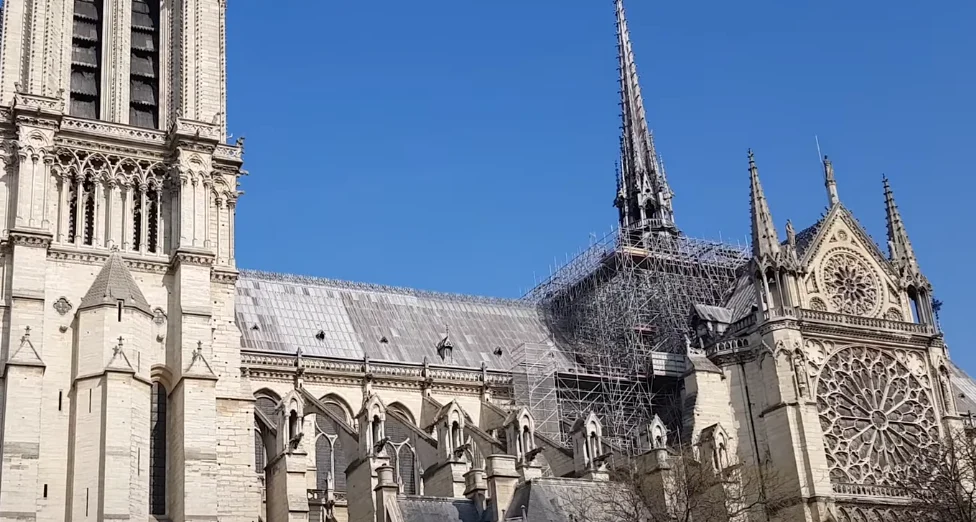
x: 875, y: 415
x: 851, y: 284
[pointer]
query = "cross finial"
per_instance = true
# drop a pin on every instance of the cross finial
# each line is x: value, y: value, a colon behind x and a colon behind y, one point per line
x: 27, y: 332
x: 200, y: 347
x: 120, y: 340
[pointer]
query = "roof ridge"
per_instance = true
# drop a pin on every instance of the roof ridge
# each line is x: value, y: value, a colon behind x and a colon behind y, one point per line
x: 280, y: 277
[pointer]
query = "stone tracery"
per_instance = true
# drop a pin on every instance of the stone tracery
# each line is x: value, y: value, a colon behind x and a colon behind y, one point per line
x: 875, y: 415
x: 850, y: 283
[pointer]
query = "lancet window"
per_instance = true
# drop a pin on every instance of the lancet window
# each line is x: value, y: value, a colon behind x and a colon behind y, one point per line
x: 110, y: 201
x: 331, y: 456
x: 145, y: 218
x: 157, y: 450
x: 81, y: 208
x: 144, y: 65
x: 403, y: 457
x: 266, y: 404
x: 86, y: 59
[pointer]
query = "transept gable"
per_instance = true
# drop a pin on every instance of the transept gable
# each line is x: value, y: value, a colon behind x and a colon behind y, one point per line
x: 846, y: 272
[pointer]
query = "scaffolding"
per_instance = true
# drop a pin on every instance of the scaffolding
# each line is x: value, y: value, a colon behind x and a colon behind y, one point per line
x: 612, y: 308
x: 534, y: 383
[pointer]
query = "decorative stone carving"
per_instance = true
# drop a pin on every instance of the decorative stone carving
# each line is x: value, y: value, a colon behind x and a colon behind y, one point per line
x: 817, y: 304
x: 852, y: 286
x: 62, y: 305
x: 875, y: 415
x: 894, y: 314
x: 159, y: 316
x: 800, y: 372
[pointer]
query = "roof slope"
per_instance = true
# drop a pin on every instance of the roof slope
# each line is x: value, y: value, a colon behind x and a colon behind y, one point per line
x: 964, y: 387
x: 280, y: 313
x: 113, y: 283
x: 433, y: 509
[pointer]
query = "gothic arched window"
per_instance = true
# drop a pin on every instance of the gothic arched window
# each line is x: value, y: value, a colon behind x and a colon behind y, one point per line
x: 266, y: 403
x: 86, y: 60
x: 402, y: 458
x: 331, y: 457
x: 157, y: 450
x: 144, y: 65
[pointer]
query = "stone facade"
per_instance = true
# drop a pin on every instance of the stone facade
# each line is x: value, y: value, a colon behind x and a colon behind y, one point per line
x: 144, y: 378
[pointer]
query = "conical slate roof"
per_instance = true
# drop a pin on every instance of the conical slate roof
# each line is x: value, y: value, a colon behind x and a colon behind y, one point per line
x: 113, y: 283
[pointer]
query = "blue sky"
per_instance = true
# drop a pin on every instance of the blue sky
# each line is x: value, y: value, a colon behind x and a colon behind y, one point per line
x: 462, y: 146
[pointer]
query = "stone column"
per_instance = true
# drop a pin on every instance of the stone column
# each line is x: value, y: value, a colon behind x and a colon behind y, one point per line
x: 64, y: 185
x: 143, y: 219
x: 110, y: 216
x: 160, y: 226
x: 207, y: 201
x: 99, y: 224
x: 80, y: 210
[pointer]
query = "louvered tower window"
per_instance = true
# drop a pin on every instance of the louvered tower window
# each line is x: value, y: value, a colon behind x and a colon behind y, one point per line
x: 144, y: 65
x: 86, y: 59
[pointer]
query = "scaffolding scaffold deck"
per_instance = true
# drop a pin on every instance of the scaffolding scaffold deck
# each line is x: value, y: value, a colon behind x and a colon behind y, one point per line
x: 617, y: 310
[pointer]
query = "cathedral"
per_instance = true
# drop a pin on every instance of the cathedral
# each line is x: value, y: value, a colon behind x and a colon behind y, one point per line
x: 144, y: 376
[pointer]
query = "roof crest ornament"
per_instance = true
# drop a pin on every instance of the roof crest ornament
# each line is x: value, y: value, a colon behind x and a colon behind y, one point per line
x: 830, y: 182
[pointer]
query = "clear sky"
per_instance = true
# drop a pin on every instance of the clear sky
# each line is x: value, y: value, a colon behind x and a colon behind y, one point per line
x: 462, y: 146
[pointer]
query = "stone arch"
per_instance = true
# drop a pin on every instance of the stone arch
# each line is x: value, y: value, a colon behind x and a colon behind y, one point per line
x: 266, y: 401
x: 403, y: 410
x: 331, y: 455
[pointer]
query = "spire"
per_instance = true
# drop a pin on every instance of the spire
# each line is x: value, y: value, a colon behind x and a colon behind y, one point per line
x: 765, y: 242
x: 830, y: 182
x: 899, y: 247
x: 644, y: 197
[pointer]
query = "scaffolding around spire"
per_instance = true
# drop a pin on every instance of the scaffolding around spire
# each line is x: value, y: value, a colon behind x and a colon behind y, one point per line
x: 643, y: 195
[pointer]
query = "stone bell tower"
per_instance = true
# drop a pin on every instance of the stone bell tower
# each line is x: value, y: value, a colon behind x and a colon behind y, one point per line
x: 117, y: 210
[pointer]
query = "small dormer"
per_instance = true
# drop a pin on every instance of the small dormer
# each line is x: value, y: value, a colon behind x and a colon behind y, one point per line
x: 445, y: 348
x: 587, y: 436
x: 372, y: 426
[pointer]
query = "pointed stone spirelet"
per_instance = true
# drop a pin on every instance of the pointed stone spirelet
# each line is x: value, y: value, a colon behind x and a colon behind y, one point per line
x: 642, y: 185
x: 765, y: 241
x: 899, y: 247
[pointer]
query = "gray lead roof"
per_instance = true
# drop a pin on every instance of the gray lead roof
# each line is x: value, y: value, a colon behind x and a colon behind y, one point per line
x: 280, y: 313
x: 113, y: 283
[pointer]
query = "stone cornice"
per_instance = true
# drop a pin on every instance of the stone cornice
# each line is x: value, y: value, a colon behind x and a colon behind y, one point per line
x: 156, y: 265
x: 388, y: 374
x: 224, y: 274
x: 31, y: 238
x: 114, y: 131
x: 38, y: 104
x: 184, y: 256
